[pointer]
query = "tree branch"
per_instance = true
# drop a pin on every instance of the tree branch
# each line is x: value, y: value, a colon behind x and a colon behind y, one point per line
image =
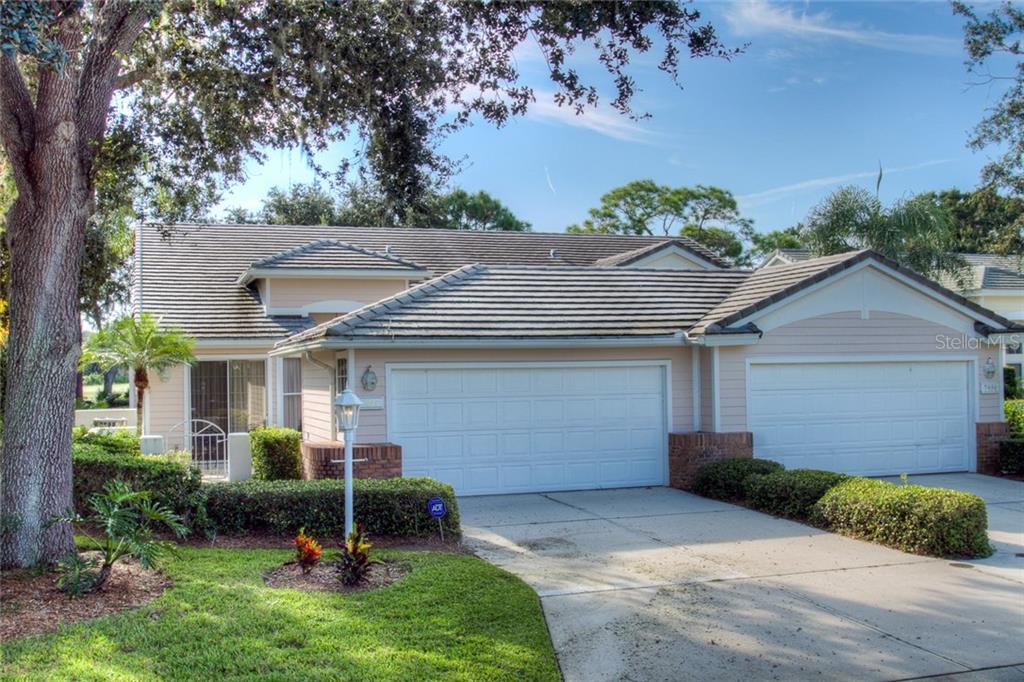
x: 131, y: 78
x: 17, y: 119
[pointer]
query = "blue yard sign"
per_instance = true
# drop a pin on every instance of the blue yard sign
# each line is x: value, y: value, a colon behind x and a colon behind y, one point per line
x: 437, y: 507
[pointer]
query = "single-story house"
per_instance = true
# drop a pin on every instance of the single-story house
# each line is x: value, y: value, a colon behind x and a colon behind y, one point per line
x: 515, y: 362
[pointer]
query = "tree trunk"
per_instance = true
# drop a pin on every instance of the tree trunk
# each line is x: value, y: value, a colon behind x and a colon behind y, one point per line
x: 46, y: 237
x: 141, y: 384
x: 108, y: 380
x: 79, y: 386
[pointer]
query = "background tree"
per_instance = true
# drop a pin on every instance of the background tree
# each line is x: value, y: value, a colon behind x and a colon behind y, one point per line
x: 764, y: 243
x: 984, y: 221
x: 178, y: 96
x: 995, y: 38
x: 916, y: 232
x: 643, y: 207
x: 143, y: 346
x: 461, y: 210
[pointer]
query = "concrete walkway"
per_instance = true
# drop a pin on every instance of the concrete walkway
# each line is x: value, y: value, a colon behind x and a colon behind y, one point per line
x: 657, y: 584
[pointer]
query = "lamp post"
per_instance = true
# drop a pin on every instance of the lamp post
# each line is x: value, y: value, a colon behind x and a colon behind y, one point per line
x: 346, y: 410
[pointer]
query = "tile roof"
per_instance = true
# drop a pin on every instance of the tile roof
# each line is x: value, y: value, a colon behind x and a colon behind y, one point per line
x: 989, y: 271
x: 191, y: 277
x: 627, y: 257
x: 479, y: 301
x: 332, y: 253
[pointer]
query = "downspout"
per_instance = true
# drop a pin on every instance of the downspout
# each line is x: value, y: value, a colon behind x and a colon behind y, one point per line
x: 330, y: 390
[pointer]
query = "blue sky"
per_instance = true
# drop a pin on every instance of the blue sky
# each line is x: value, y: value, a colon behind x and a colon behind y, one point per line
x: 823, y: 94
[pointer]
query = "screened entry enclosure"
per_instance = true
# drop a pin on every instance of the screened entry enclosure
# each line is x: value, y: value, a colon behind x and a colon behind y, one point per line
x: 228, y: 396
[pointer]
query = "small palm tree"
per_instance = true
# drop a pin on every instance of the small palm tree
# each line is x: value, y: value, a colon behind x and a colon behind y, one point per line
x: 142, y: 345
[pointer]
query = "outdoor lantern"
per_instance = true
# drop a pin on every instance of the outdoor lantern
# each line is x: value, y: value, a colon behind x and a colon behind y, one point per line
x: 346, y: 409
x: 990, y: 368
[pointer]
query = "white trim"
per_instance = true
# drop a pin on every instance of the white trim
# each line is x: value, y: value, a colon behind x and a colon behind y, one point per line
x: 716, y: 391
x: 664, y: 364
x: 337, y: 342
x: 695, y: 381
x: 336, y: 306
x: 997, y: 293
x: 279, y: 401
x: 267, y: 343
x: 232, y: 356
x: 186, y: 442
x: 350, y: 364
x: 970, y: 362
x: 331, y: 273
x: 268, y: 391
x: 713, y: 340
x: 869, y: 262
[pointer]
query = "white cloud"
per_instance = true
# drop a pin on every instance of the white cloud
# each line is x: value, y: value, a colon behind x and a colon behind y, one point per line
x: 769, y: 195
x: 759, y: 17
x: 602, y: 120
x: 551, y: 185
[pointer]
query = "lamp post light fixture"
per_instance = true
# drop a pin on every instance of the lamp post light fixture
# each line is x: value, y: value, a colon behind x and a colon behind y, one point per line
x: 346, y: 411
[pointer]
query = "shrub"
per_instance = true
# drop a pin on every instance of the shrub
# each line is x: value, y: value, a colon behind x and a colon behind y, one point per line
x: 913, y: 518
x: 1011, y: 456
x: 1014, y: 411
x: 790, y: 493
x: 307, y: 551
x: 276, y: 454
x: 122, y: 442
x: 355, y: 561
x: 173, y: 485
x: 395, y: 506
x: 725, y: 479
x: 126, y: 518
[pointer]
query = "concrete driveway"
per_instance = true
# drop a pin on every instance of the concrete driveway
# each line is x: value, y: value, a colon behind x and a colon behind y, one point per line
x: 658, y: 584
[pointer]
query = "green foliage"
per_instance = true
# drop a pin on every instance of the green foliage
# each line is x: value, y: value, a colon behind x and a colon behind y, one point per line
x: 461, y: 210
x: 763, y: 244
x: 790, y: 493
x: 396, y: 506
x: 276, y: 454
x: 1014, y: 411
x: 726, y: 479
x: 912, y: 518
x: 1011, y: 456
x: 994, y: 40
x: 916, y: 232
x: 126, y: 518
x: 24, y: 30
x: 477, y: 621
x: 984, y: 221
x: 121, y: 442
x: 173, y: 485
x: 355, y: 561
x: 722, y: 241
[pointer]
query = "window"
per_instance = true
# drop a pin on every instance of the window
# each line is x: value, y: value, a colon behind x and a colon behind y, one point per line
x: 291, y: 384
x: 341, y: 373
x: 231, y: 394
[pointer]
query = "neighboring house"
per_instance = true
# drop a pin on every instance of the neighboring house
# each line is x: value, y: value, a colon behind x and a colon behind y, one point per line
x: 511, y: 362
x: 785, y: 257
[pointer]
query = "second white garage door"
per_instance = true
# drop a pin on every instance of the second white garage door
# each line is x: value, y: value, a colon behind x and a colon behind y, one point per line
x: 490, y: 429
x: 869, y: 418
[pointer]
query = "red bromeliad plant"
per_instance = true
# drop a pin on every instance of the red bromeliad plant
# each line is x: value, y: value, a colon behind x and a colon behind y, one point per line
x: 355, y: 562
x: 307, y: 551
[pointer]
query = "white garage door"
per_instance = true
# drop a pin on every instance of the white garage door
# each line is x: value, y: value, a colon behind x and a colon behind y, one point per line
x: 870, y: 418
x: 515, y: 428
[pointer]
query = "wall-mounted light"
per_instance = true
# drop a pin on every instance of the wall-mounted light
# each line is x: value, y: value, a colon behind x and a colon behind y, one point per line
x: 369, y: 378
x: 990, y: 368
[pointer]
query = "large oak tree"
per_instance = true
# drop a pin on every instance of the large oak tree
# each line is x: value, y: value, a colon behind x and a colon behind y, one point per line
x: 176, y: 96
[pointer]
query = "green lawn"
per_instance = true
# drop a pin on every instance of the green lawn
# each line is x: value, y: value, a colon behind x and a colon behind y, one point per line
x: 89, y: 391
x: 452, y: 617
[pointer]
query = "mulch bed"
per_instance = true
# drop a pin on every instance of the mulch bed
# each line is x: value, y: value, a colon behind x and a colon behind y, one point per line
x: 33, y: 605
x: 326, y: 577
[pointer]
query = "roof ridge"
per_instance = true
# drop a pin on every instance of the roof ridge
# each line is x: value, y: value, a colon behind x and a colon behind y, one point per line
x: 374, y: 310
x: 309, y: 247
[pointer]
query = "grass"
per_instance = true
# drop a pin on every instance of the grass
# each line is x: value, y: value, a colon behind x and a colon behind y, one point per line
x: 452, y: 617
x: 89, y: 391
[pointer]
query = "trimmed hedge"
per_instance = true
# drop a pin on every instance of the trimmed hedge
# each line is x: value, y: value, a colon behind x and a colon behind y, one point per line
x: 122, y: 442
x: 1014, y: 411
x: 276, y: 454
x: 175, y: 485
x: 725, y: 479
x: 1011, y: 456
x: 912, y: 518
x: 791, y: 493
x: 395, y: 506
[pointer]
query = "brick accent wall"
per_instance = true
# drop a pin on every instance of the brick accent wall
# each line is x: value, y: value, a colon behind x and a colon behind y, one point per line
x: 383, y: 460
x: 989, y: 434
x: 688, y: 452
